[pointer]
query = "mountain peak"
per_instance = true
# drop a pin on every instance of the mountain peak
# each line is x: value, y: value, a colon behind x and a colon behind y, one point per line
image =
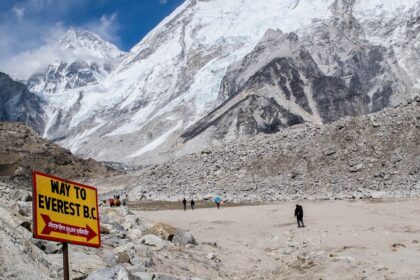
x: 86, y: 41
x: 79, y: 58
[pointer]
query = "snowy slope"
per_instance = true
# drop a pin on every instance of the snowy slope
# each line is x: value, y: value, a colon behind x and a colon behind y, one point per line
x: 172, y: 78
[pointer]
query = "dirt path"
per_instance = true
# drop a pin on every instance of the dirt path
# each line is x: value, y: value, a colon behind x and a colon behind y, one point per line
x: 347, y: 240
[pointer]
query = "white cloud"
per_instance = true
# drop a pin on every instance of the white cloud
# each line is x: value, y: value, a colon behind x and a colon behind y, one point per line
x: 107, y: 27
x: 162, y: 2
x: 29, y: 47
x: 19, y: 12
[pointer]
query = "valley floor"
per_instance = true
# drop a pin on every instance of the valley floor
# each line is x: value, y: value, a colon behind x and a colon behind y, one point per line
x: 341, y: 240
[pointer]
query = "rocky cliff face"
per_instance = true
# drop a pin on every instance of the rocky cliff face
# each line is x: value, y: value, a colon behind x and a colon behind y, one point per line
x: 17, y: 103
x: 332, y: 71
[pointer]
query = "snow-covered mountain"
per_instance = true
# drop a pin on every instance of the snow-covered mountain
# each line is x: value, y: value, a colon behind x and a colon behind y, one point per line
x: 83, y: 59
x: 218, y: 69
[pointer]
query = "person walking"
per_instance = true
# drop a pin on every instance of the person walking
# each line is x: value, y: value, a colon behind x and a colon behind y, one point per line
x: 192, y: 204
x: 299, y: 215
x: 185, y: 204
x: 218, y: 200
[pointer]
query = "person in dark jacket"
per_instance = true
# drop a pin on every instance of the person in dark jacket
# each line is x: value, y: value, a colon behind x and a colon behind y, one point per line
x: 192, y: 204
x: 299, y: 215
x: 185, y: 204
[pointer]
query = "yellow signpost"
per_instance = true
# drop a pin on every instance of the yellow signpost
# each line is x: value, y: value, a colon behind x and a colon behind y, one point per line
x: 65, y: 211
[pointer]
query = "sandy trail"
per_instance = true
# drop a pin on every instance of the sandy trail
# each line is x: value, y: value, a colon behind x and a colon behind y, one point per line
x: 343, y: 239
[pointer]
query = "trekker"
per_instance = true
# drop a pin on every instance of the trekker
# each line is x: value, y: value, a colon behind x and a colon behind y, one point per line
x: 192, y: 204
x: 124, y: 201
x: 299, y: 215
x: 218, y: 200
x: 185, y: 204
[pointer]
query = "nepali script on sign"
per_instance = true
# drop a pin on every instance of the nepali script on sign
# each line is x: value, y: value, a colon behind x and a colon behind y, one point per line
x: 65, y: 211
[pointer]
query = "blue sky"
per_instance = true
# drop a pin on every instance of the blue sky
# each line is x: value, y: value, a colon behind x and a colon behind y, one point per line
x: 26, y: 25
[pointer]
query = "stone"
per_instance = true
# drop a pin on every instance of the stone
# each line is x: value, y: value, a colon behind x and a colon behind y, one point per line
x: 53, y: 248
x: 118, y: 272
x: 183, y: 237
x: 123, y: 258
x: 142, y: 262
x: 152, y: 240
x: 329, y: 152
x: 211, y: 256
x: 23, y: 208
x: 134, y: 234
x: 165, y: 231
x: 124, y: 248
x: 378, y: 194
x: 131, y: 221
x: 210, y: 243
x: 26, y: 197
x: 356, y: 167
x: 145, y: 275
x: 167, y: 277
x: 105, y: 229
x: 109, y: 257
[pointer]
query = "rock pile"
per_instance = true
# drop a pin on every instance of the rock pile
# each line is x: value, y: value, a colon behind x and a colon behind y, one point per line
x: 131, y: 248
x: 373, y: 156
x: 22, y: 151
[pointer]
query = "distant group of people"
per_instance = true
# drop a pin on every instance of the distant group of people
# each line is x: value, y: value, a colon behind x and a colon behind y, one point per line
x: 298, y: 210
x: 115, y: 201
x: 218, y: 201
x: 192, y: 203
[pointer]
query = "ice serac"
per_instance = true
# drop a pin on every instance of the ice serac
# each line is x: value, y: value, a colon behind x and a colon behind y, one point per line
x: 84, y: 59
x: 216, y: 70
x: 18, y: 104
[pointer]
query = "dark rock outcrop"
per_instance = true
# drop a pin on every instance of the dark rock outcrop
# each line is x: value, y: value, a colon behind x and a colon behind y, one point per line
x: 18, y: 104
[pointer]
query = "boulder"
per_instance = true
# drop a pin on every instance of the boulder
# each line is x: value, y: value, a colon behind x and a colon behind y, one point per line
x: 26, y: 197
x: 124, y: 248
x: 356, y: 167
x: 53, y: 248
x: 164, y: 231
x: 134, y: 234
x: 131, y: 221
x: 118, y: 272
x: 152, y: 240
x: 109, y: 257
x: 183, y: 237
x: 329, y: 152
x: 123, y: 258
x: 105, y: 229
